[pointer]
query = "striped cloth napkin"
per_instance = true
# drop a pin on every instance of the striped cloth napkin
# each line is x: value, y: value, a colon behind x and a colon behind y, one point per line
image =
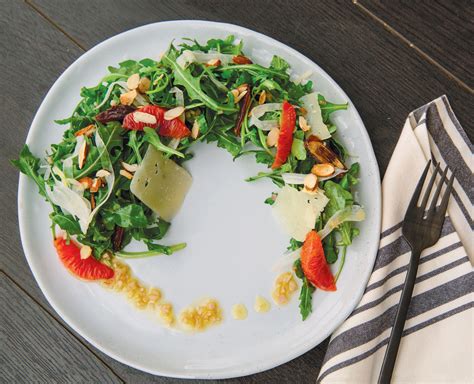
x: 438, y: 337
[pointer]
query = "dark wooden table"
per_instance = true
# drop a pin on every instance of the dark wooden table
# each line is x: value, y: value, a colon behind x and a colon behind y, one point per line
x: 390, y: 58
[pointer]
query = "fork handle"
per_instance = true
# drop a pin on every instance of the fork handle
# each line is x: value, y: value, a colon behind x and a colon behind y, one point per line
x: 397, y: 330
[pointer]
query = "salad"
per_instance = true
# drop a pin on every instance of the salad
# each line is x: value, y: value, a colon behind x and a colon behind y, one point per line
x: 119, y: 172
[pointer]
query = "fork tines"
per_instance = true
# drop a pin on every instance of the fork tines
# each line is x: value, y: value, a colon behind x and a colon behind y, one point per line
x: 441, y: 209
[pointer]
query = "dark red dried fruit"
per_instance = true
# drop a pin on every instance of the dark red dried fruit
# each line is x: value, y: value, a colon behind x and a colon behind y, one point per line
x: 116, y: 113
x: 117, y: 238
x: 244, y: 108
x: 241, y: 60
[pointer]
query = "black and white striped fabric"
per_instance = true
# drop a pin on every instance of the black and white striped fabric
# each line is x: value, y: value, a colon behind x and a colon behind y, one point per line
x: 438, y: 338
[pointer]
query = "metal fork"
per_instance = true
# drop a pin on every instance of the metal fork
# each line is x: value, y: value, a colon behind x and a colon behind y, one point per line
x: 421, y: 229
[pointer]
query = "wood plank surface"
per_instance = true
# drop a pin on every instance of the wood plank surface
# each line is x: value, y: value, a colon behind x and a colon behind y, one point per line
x: 384, y: 78
x: 443, y: 29
x: 37, y: 349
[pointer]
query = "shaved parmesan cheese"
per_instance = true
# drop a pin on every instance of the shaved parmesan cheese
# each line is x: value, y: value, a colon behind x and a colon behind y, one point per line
x: 179, y: 96
x: 71, y: 203
x: 257, y: 112
x: 314, y: 116
x: 297, y: 211
x: 353, y: 213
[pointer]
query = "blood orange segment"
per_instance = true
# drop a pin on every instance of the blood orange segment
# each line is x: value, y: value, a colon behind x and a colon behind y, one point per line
x: 169, y: 128
x: 314, y: 264
x: 174, y: 128
x: 129, y: 121
x: 87, y: 269
x: 285, y: 139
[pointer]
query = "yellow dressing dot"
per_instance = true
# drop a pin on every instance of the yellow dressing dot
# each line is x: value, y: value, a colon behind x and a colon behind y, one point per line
x: 239, y: 312
x: 261, y: 305
x: 284, y: 288
x: 198, y: 318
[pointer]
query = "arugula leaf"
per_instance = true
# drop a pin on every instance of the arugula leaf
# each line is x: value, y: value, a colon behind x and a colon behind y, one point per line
x: 269, y: 201
x: 350, y: 178
x: 330, y: 249
x: 28, y: 164
x: 135, y: 144
x: 193, y: 86
x: 327, y: 108
x: 279, y: 64
x: 129, y: 216
x: 306, y: 293
x: 154, y: 250
x: 67, y: 223
x: 227, y: 141
x: 263, y: 157
x: 294, y: 245
x: 111, y: 137
x: 306, y: 299
x: 157, y: 232
x: 338, y: 197
x: 226, y: 46
x: 152, y: 137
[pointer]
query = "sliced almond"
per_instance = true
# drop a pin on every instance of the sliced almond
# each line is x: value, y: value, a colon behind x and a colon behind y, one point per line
x: 82, y: 154
x: 133, y: 81
x: 243, y: 87
x: 303, y: 124
x: 235, y: 93
x: 195, y: 130
x: 102, y: 173
x: 213, y: 63
x: 272, y: 137
x: 126, y: 174
x: 132, y: 168
x: 86, y: 182
x: 241, y: 95
x: 86, y: 251
x: 262, y: 98
x: 87, y: 131
x: 96, y: 184
x: 142, y: 117
x: 310, y: 181
x: 144, y: 84
x: 323, y: 170
x: 174, y: 113
x: 127, y: 98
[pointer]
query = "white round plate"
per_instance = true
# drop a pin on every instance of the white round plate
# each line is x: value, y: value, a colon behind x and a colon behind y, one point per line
x: 233, y: 241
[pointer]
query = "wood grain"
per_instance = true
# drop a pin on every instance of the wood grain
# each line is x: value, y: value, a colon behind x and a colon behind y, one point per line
x: 441, y: 28
x: 35, y: 348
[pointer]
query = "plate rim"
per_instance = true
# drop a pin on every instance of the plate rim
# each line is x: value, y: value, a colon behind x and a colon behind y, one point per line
x: 257, y: 368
